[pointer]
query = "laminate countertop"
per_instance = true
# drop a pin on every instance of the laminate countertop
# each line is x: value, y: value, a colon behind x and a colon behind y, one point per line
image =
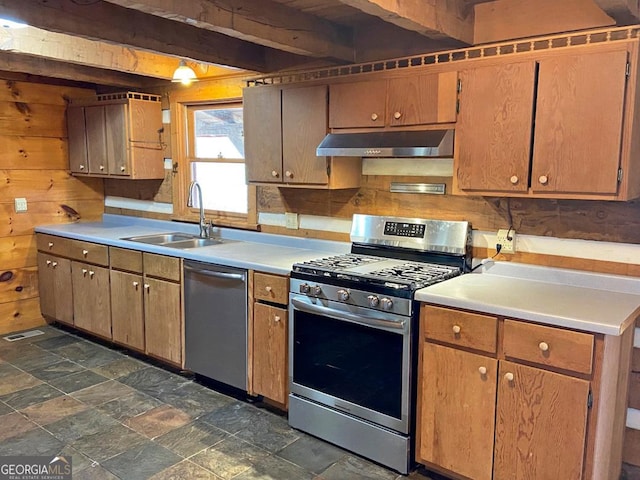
x: 239, y: 248
x: 598, y: 303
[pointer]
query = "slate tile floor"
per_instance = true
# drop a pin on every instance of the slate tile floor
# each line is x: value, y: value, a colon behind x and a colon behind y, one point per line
x: 120, y: 417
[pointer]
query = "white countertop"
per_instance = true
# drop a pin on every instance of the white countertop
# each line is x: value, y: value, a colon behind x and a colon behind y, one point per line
x: 239, y: 248
x: 598, y: 303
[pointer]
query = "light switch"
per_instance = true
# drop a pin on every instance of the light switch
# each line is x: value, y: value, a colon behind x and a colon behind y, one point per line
x: 20, y: 204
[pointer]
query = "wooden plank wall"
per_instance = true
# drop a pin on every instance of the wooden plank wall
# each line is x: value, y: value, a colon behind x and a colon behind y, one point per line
x: 34, y: 165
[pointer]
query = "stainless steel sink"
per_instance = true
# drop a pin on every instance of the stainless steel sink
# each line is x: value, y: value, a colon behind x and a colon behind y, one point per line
x: 175, y: 240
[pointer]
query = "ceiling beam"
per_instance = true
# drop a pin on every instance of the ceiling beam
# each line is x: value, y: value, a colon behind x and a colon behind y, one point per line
x: 263, y: 22
x: 123, y: 26
x: 437, y: 19
x: 622, y: 11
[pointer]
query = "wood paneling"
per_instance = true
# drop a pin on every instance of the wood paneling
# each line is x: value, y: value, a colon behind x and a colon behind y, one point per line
x: 152, y: 190
x: 631, y: 453
x: 16, y: 91
x: 22, y: 284
x: 635, y: 362
x: 20, y: 315
x: 32, y: 119
x: 48, y: 185
x: 33, y: 153
x: 634, y: 390
x: 40, y: 213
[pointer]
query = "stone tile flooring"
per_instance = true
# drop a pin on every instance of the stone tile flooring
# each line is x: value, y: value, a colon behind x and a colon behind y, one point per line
x: 120, y: 417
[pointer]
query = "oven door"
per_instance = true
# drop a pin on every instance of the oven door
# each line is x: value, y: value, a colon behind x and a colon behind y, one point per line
x: 353, y: 359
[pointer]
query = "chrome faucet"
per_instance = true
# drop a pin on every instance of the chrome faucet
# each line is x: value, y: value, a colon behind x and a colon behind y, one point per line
x: 205, y: 229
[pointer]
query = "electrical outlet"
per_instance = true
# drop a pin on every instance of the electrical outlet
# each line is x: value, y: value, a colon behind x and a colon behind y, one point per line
x: 291, y: 220
x: 507, y: 238
x: 20, y: 204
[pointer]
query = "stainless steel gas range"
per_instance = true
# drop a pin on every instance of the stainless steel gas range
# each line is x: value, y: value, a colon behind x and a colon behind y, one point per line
x: 353, y: 325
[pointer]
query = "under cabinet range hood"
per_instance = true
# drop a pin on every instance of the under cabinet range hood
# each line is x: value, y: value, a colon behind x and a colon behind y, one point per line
x: 423, y: 143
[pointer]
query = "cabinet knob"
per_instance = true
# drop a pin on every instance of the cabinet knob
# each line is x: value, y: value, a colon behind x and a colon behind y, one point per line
x: 482, y: 370
x: 85, y: 252
x: 135, y: 284
x: 276, y: 318
x: 268, y: 288
x: 543, y: 179
x: 374, y: 116
x: 456, y: 329
x: 514, y: 179
x: 122, y: 169
x: 91, y: 273
x: 146, y: 287
x: 54, y: 264
x: 84, y: 272
x: 289, y: 174
x: 101, y: 167
x: 81, y: 167
x: 544, y: 346
x: 397, y: 115
x: 508, y: 377
x: 50, y: 244
x: 275, y: 174
x: 48, y: 262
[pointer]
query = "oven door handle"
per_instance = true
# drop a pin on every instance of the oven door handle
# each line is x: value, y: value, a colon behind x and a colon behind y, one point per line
x: 349, y: 317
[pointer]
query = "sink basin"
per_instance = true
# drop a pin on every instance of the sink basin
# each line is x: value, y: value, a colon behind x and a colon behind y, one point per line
x: 175, y: 240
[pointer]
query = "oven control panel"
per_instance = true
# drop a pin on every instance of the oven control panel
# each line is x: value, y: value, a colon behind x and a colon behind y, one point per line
x: 401, y: 229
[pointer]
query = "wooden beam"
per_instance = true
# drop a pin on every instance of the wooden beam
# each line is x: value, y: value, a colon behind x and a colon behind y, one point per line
x: 263, y: 22
x: 123, y: 26
x: 509, y: 19
x: 622, y: 11
x: 437, y: 19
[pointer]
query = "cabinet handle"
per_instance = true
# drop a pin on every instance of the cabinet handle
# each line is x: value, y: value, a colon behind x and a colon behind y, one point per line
x: 289, y: 174
x: 81, y: 167
x: 50, y: 244
x: 508, y: 377
x: 135, y: 284
x: 482, y: 370
x: 84, y: 272
x: 91, y: 273
x: 544, y: 346
x: 85, y: 252
x: 274, y: 174
x: 374, y: 117
x: 146, y: 287
x: 276, y: 318
x: 397, y: 115
x: 122, y: 169
x: 268, y: 288
x: 456, y: 329
x: 543, y: 179
x: 101, y: 167
x: 514, y: 179
x: 48, y: 262
x: 54, y: 264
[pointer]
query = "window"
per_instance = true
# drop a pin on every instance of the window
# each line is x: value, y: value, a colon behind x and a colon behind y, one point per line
x: 215, y: 153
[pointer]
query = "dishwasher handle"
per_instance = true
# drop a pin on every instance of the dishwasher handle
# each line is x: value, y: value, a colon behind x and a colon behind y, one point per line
x: 216, y: 274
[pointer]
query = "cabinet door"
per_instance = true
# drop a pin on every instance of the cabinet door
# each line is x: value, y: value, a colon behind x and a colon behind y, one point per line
x: 96, y: 140
x: 494, y: 128
x: 358, y: 104
x: 163, y: 320
x: 143, y: 140
x: 423, y: 99
x: 46, y: 285
x: 263, y: 134
x: 457, y: 410
x: 579, y: 118
x: 540, y: 424
x: 270, y: 352
x: 63, y: 290
x: 127, y: 309
x: 91, y: 298
x: 77, y: 140
x: 116, y: 139
x: 304, y: 125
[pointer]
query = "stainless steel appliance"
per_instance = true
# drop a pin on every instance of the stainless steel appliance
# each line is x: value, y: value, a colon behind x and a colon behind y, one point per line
x: 216, y: 322
x: 353, y: 328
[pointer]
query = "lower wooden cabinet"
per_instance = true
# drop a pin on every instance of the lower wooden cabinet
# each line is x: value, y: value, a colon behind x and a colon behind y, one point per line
x: 163, y: 319
x: 54, y: 279
x: 127, y: 309
x: 91, y: 298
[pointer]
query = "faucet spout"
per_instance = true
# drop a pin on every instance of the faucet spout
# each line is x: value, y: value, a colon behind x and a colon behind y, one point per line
x: 205, y: 230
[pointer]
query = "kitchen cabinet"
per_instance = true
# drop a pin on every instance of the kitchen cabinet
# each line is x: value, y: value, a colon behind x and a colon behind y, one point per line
x: 283, y: 127
x: 269, y: 352
x: 550, y: 126
x: 91, y: 298
x: 116, y: 135
x: 54, y: 280
x: 493, y: 406
x: 396, y: 102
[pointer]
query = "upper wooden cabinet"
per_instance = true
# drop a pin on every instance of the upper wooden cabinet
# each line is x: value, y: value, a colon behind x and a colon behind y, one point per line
x: 117, y: 135
x: 547, y: 127
x: 283, y: 127
x: 396, y: 102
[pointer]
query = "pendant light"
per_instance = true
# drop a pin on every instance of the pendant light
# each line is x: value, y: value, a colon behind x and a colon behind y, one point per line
x: 184, y: 74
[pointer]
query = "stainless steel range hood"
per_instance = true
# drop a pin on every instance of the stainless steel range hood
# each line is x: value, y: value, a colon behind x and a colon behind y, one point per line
x: 424, y: 143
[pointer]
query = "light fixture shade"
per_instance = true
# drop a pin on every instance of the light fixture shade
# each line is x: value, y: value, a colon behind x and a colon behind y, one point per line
x: 184, y: 74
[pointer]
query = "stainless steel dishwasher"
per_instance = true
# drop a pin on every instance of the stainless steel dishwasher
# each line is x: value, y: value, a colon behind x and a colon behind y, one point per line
x: 216, y: 322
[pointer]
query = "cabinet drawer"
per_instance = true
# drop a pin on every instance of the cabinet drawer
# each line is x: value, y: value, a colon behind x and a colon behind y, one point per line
x: 124, y: 259
x: 75, y: 249
x: 161, y: 266
x: 271, y: 288
x: 462, y: 329
x: 548, y: 346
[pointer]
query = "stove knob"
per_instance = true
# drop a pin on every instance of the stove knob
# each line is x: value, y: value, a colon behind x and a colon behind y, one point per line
x: 374, y: 301
x: 343, y: 295
x: 305, y: 288
x: 317, y: 290
x: 387, y: 303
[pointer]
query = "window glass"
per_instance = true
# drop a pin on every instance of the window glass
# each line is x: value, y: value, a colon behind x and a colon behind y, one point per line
x: 223, y: 186
x: 219, y: 133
